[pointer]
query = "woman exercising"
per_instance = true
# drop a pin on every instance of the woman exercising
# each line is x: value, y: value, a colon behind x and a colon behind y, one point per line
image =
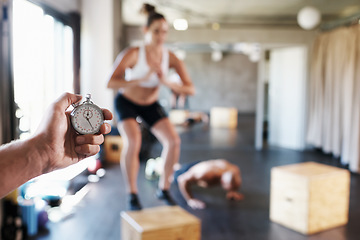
x: 146, y: 69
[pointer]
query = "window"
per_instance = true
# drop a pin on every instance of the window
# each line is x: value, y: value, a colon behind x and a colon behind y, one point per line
x: 43, y: 62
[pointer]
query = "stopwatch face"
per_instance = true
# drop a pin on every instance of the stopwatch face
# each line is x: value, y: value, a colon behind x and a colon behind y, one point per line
x: 87, y: 118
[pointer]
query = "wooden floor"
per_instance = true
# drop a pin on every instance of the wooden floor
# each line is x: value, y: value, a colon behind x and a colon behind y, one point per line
x: 97, y: 217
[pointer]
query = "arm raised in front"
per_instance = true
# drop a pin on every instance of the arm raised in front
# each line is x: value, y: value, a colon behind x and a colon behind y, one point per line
x: 126, y: 59
x: 187, y: 86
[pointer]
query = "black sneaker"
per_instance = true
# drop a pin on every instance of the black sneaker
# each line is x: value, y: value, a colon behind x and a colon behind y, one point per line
x: 134, y: 203
x: 165, y: 195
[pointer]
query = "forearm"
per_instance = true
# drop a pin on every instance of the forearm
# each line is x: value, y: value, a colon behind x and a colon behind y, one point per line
x: 20, y: 161
x: 122, y: 83
x: 180, y: 89
x: 185, y: 190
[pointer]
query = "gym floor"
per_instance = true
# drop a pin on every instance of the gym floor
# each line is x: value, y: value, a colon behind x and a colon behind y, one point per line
x: 98, y: 214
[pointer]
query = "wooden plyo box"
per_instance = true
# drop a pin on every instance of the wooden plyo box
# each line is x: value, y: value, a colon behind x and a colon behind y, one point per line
x: 178, y: 116
x: 222, y: 117
x: 309, y: 197
x: 160, y: 223
x: 112, y: 148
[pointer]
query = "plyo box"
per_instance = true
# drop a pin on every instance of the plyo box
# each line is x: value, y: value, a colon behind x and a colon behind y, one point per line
x: 178, y: 116
x: 221, y: 117
x: 112, y: 147
x: 309, y: 197
x: 160, y: 223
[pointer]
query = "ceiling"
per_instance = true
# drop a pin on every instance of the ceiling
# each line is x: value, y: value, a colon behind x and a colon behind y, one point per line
x: 234, y: 13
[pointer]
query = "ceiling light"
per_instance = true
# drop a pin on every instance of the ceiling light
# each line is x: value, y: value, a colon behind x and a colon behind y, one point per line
x: 180, y: 54
x: 308, y: 17
x: 180, y: 24
x: 214, y: 45
x: 215, y: 26
x: 254, y: 56
x: 216, y: 56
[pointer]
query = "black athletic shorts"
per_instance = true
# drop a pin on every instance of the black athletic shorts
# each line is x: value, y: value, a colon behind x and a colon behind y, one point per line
x: 150, y: 114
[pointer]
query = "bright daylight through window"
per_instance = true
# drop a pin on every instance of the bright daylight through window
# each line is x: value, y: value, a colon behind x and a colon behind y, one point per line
x: 43, y: 62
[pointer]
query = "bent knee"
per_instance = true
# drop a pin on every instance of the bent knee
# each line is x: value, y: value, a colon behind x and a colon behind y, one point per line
x: 132, y: 143
x: 173, y: 141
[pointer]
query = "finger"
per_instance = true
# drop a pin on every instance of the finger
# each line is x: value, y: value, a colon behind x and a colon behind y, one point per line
x: 201, y: 205
x: 66, y: 99
x: 90, y: 139
x: 107, y: 114
x: 87, y: 149
x: 240, y: 196
x: 105, y: 128
x: 193, y: 206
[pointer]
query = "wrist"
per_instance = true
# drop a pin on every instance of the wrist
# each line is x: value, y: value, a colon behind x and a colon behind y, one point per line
x: 166, y: 83
x: 39, y: 154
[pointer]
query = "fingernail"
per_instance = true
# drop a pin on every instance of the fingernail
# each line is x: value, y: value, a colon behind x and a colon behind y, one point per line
x: 80, y: 139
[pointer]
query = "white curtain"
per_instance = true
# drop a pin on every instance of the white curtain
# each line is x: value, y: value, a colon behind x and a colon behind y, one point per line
x: 334, y: 117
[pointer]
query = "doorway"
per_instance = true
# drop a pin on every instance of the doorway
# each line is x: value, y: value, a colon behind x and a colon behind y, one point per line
x: 282, y: 96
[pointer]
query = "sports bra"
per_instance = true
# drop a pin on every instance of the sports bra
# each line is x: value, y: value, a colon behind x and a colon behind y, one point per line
x: 141, y: 68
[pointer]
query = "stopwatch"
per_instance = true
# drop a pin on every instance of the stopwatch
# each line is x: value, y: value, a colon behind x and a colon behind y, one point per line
x: 87, y: 118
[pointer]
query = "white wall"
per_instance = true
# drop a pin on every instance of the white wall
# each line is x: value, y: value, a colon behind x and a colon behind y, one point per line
x: 97, y: 50
x: 230, y: 82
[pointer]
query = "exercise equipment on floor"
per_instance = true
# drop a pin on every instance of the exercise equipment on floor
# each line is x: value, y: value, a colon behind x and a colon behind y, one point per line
x: 309, y: 197
x: 160, y: 223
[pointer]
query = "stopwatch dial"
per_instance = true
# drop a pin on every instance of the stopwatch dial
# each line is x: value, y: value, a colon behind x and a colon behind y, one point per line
x: 88, y: 113
x: 87, y: 119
